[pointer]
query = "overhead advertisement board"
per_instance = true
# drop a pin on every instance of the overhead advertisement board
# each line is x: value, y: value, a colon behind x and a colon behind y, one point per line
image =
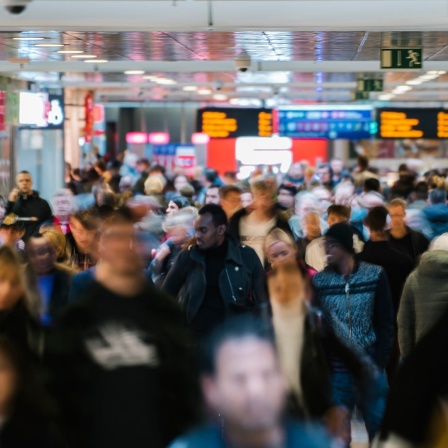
x: 41, y: 110
x: 430, y: 123
x: 233, y: 122
x: 326, y: 122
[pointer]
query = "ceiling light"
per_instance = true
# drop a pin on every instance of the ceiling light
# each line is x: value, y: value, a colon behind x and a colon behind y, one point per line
x: 234, y: 101
x: 49, y: 45
x: 134, y: 72
x: 386, y: 97
x: 96, y: 61
x: 441, y: 73
x: 189, y: 88
x: 150, y: 77
x: 164, y: 81
x: 415, y: 82
x: 84, y: 56
x: 204, y: 92
x: 70, y: 51
x: 220, y: 97
x: 28, y: 38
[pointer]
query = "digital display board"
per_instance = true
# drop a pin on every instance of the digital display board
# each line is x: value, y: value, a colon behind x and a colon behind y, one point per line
x: 41, y: 110
x: 429, y: 123
x: 350, y: 124
x: 233, y: 123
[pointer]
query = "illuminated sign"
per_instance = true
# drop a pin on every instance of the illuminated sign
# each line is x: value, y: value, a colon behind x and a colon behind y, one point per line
x: 429, y: 123
x: 41, y: 110
x: 324, y: 122
x: 233, y: 123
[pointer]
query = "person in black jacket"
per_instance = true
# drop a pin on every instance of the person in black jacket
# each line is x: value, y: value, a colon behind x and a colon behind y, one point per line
x: 26, y: 203
x: 119, y: 357
x: 216, y: 277
x: 250, y: 227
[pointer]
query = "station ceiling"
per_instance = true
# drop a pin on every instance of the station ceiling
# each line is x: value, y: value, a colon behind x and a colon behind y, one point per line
x: 300, y: 51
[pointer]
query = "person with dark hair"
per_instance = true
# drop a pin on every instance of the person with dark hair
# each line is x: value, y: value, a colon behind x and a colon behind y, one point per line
x: 419, y: 201
x: 286, y: 194
x: 396, y: 264
x: 401, y: 237
x: 216, y: 277
x: 212, y: 195
x: 325, y: 175
x: 436, y: 213
x: 119, y: 357
x: 208, y: 178
x: 230, y: 199
x: 339, y: 172
x: 157, y: 169
x: 362, y: 172
x: 82, y: 239
x: 242, y: 383
x: 176, y: 203
x: 356, y: 302
x: 24, y: 202
x: 142, y: 166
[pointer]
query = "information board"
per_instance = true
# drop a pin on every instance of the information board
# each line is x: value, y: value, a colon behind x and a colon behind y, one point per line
x: 431, y: 123
x: 350, y: 124
x: 233, y: 123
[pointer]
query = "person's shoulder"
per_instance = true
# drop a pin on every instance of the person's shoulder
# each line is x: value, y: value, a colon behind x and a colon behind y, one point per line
x: 203, y: 437
x: 309, y: 435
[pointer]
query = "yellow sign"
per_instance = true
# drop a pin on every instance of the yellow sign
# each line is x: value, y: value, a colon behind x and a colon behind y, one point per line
x: 217, y: 124
x: 264, y: 124
x: 398, y: 125
x: 442, y: 125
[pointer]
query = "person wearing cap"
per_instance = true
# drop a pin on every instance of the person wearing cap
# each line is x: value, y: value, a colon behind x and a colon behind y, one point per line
x: 26, y: 203
x: 356, y: 303
x: 425, y: 296
x: 11, y: 233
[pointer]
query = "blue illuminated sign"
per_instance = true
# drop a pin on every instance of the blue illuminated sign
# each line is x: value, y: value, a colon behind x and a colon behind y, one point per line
x: 350, y: 124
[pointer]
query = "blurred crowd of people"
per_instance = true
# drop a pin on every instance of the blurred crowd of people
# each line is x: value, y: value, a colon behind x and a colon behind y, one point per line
x: 145, y: 309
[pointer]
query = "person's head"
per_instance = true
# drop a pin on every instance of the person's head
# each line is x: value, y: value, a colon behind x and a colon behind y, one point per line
x: 179, y: 226
x: 286, y: 194
x: 287, y: 284
x: 241, y: 377
x: 84, y: 227
x: 210, y: 227
x: 57, y: 241
x: 296, y: 171
x: 338, y: 213
x: 157, y: 170
x: 376, y: 219
x: 246, y: 199
x: 230, y: 178
x: 372, y: 184
x: 208, y: 177
x: 437, y: 196
x: 11, y: 230
x: 363, y: 163
x: 41, y: 255
x: 62, y: 204
x: 337, y: 166
x: 280, y: 248
x: 397, y: 213
x: 263, y: 196
x: 180, y: 181
x: 154, y: 185
x: 420, y: 192
x: 176, y: 203
x: 142, y: 165
x: 230, y: 199
x: 343, y: 193
x: 212, y: 195
x: 306, y: 202
x: 323, y: 196
x: 311, y: 225
x: 24, y: 182
x: 339, y: 244
x: 325, y: 173
x: 12, y: 282
x: 116, y: 243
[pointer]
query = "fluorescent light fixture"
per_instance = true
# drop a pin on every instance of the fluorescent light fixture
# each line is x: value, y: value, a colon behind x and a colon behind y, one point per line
x: 28, y: 38
x: 204, y: 92
x: 134, y: 72
x: 386, y: 97
x: 96, y: 61
x: 235, y: 101
x: 189, y: 88
x: 150, y: 77
x: 70, y: 51
x: 432, y: 72
x: 415, y: 82
x: 84, y: 56
x: 220, y: 97
x: 164, y: 81
x: 49, y: 45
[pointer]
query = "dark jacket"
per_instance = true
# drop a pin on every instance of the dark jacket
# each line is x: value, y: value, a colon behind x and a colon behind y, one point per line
x: 139, y: 187
x: 296, y: 436
x: 241, y: 283
x: 121, y: 371
x: 437, y: 218
x: 30, y: 206
x: 420, y: 243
